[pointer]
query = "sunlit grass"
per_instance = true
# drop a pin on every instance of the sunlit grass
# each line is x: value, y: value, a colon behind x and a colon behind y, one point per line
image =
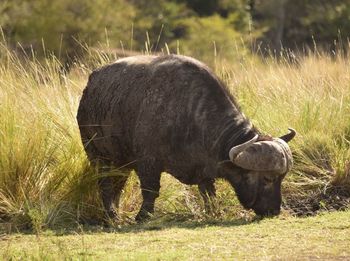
x: 46, y: 180
x: 324, y: 237
x: 312, y: 96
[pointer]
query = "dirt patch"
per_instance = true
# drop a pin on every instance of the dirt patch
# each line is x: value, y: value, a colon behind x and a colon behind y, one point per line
x: 315, y: 202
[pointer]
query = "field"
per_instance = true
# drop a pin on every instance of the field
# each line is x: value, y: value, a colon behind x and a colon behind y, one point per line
x: 48, y: 188
x: 325, y: 237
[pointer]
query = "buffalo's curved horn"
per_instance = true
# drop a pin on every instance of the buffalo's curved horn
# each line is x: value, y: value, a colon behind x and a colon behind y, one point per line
x: 272, y: 155
x: 234, y: 151
x: 289, y: 136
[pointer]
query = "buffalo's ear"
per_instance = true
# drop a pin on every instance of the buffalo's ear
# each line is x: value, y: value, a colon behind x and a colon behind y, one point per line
x: 229, y: 171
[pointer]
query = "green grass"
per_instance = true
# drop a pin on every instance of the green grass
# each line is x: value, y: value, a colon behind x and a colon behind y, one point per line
x: 47, y: 182
x: 324, y: 237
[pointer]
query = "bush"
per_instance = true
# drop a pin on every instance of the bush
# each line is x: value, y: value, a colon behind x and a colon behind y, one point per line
x: 58, y: 26
x: 208, y: 38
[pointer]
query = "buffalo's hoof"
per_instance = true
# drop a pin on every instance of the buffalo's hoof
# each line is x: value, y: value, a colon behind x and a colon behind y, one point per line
x: 111, y: 218
x: 142, y: 216
x: 112, y: 214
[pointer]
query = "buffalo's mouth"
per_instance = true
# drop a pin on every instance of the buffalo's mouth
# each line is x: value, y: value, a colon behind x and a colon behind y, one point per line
x: 264, y: 208
x: 266, y: 212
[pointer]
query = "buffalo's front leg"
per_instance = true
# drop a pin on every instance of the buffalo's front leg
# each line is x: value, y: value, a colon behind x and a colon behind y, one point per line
x: 149, y: 174
x: 207, y: 190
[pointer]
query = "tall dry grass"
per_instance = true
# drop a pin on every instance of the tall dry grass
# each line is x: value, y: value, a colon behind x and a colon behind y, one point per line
x: 46, y: 180
x: 312, y: 96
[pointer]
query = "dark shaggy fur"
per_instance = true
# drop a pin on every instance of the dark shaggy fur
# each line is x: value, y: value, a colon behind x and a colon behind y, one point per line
x: 168, y: 113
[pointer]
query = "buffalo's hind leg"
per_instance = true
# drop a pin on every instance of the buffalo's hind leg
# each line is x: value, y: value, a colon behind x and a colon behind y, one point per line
x: 149, y: 172
x: 110, y: 189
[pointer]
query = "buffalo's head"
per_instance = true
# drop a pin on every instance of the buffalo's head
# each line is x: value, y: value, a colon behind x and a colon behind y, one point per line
x: 256, y: 170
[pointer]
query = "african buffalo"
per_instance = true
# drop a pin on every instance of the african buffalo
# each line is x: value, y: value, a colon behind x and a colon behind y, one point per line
x: 171, y: 113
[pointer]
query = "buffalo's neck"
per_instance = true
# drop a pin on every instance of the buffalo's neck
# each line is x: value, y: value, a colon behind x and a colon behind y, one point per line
x: 230, y: 132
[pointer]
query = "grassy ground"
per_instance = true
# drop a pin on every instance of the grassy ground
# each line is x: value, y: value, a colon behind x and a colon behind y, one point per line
x: 324, y: 237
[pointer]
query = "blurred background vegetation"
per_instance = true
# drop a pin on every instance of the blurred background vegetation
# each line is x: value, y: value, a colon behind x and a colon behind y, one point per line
x: 201, y: 28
